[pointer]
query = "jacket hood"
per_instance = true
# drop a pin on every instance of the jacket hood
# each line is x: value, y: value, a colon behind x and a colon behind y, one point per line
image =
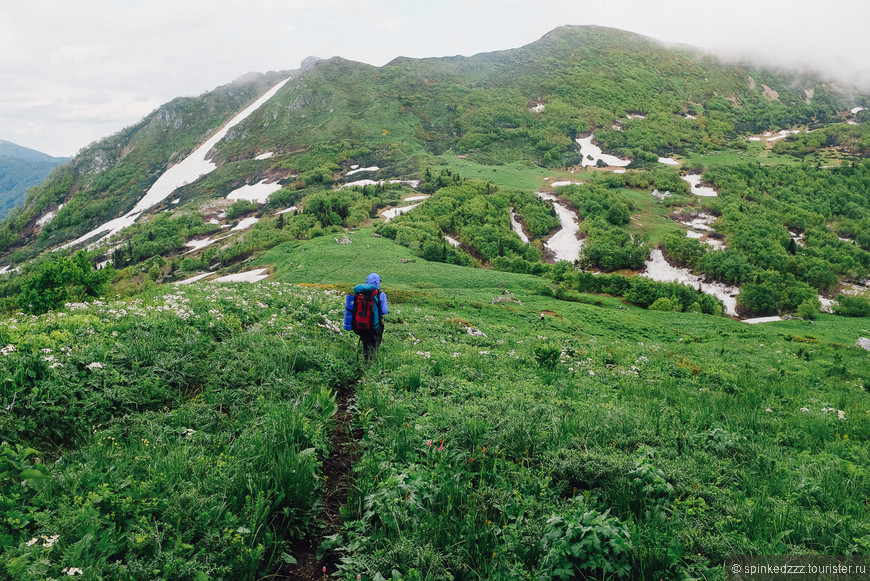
x: 375, y: 279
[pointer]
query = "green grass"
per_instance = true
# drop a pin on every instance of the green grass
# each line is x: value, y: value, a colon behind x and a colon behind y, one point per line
x: 513, y: 175
x: 477, y: 451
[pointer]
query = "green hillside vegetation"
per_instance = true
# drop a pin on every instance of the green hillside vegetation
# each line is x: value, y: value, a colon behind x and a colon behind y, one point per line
x: 525, y: 418
x: 145, y: 437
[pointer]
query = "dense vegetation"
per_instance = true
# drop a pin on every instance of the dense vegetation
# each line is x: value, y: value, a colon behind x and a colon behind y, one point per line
x: 525, y: 419
x: 146, y: 437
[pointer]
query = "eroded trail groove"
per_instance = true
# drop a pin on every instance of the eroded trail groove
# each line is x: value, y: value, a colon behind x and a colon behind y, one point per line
x: 344, y: 452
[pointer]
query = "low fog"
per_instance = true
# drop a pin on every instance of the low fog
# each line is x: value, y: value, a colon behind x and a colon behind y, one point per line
x: 74, y: 73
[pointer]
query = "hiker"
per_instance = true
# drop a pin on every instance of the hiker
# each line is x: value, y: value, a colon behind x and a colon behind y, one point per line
x: 364, y: 312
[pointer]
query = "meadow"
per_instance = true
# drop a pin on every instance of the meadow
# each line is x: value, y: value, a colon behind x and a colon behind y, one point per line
x: 183, y: 434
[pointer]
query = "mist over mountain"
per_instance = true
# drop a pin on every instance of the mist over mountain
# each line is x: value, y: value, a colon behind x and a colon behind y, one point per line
x: 642, y: 101
x: 629, y: 295
x: 22, y: 168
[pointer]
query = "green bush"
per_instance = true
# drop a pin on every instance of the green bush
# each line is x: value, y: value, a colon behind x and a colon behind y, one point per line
x: 584, y: 543
x: 852, y: 306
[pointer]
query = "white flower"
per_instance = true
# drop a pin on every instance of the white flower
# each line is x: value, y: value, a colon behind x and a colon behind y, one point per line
x: 805, y: 410
x: 50, y: 541
x: 768, y: 410
x: 95, y: 365
x: 456, y: 353
x: 32, y: 542
x: 188, y: 432
x: 73, y: 571
x: 591, y: 373
x: 841, y: 414
x: 483, y: 352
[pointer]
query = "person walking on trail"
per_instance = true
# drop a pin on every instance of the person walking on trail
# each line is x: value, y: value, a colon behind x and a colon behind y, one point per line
x: 364, y: 312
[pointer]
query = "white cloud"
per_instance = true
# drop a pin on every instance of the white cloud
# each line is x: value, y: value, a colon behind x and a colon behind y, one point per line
x: 75, y: 72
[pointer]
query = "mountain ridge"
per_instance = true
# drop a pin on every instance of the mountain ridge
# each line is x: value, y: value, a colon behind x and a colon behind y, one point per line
x: 526, y: 106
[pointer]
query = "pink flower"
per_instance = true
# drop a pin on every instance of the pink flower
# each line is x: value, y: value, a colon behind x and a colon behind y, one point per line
x: 429, y: 443
x: 441, y: 447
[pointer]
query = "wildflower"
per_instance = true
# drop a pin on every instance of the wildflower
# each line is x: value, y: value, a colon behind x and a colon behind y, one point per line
x: 50, y: 541
x: 429, y: 443
x: 32, y: 542
x: 95, y: 365
x: 841, y: 414
x: 768, y: 410
x: 441, y: 447
x: 591, y: 373
x: 484, y: 449
x: 805, y: 410
x: 73, y: 571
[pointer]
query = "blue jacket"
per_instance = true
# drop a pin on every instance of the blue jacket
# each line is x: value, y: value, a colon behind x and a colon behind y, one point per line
x: 372, y: 279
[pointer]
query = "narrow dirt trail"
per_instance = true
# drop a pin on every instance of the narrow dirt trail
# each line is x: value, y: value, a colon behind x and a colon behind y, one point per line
x: 337, y: 471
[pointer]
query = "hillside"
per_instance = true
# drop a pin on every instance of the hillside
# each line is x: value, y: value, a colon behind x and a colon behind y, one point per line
x: 146, y: 436
x: 568, y: 233
x: 21, y: 169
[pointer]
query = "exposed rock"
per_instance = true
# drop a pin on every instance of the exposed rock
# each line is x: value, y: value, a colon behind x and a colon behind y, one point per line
x: 863, y: 343
x: 504, y: 299
x: 343, y: 240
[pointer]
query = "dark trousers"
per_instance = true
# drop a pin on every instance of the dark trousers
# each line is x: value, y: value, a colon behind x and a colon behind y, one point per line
x: 370, y: 342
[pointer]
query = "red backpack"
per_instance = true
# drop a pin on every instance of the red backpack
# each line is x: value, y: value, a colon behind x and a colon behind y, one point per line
x: 366, y: 309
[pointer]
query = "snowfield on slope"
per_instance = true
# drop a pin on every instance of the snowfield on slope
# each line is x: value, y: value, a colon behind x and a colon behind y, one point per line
x: 184, y: 172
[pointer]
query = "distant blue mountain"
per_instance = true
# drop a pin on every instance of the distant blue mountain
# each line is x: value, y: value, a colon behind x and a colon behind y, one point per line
x: 22, y: 168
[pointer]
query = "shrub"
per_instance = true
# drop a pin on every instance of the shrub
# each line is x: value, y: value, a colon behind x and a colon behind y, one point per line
x: 663, y: 304
x: 852, y: 306
x: 809, y: 309
x: 584, y: 542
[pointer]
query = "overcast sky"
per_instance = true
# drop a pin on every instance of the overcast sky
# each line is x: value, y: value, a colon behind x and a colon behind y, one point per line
x: 72, y: 72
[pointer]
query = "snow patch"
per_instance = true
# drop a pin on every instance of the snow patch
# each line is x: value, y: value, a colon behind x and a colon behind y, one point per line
x: 250, y: 276
x: 284, y: 211
x: 245, y: 223
x: 393, y: 212
x: 592, y: 153
x: 668, y: 161
x: 358, y: 170
x: 258, y: 192
x: 694, y: 181
x: 564, y: 244
x: 452, y: 241
x: 757, y: 320
x: 195, y: 245
x: 517, y: 227
x: 657, y: 268
x: 266, y: 155
x: 193, y: 279
x: 414, y: 198
x: 184, y: 172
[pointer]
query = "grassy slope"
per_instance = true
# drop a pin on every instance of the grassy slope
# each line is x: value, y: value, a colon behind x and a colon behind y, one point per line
x: 658, y: 417
x: 686, y: 394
